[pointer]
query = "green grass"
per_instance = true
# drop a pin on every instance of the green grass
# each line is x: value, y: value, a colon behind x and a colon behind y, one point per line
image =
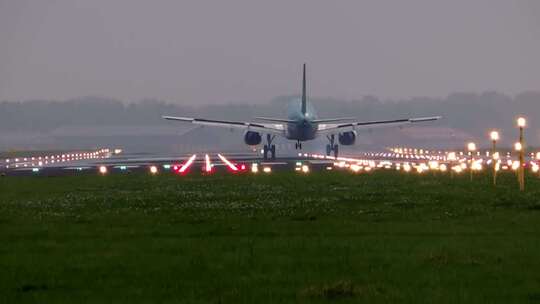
x: 325, y: 237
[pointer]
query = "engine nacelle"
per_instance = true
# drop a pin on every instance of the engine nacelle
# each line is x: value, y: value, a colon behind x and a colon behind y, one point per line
x: 252, y: 138
x: 347, y: 138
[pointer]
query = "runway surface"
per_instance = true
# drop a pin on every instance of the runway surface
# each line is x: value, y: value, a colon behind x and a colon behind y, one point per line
x: 107, y: 161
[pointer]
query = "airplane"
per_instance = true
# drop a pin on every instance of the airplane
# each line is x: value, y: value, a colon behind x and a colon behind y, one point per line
x: 302, y: 124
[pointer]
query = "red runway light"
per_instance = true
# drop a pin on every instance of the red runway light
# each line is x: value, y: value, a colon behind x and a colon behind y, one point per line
x: 186, y: 166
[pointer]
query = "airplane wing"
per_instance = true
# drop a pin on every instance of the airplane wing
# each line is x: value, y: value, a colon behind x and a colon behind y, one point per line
x: 249, y: 126
x: 368, y: 125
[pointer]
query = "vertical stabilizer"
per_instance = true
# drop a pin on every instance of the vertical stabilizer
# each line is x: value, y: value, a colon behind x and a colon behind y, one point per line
x: 304, y: 98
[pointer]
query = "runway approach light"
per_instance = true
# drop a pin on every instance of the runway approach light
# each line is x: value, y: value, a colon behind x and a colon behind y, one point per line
x: 183, y: 169
x: 355, y: 168
x: 208, y: 165
x: 477, y: 166
x: 515, y: 165
x: 228, y: 163
x: 153, y: 170
x: 518, y: 146
x: 103, y: 170
x: 254, y: 168
x: 471, y: 147
x: 305, y: 169
x: 407, y: 167
x: 267, y: 169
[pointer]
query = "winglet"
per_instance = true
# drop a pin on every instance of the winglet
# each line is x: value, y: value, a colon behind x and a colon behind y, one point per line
x: 304, y: 98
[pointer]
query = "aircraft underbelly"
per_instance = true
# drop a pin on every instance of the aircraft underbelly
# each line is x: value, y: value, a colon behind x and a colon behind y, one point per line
x: 301, y: 133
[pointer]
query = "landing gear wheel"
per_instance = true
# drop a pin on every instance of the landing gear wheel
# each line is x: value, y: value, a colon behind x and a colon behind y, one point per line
x: 268, y: 147
x: 265, y: 152
x: 331, y: 146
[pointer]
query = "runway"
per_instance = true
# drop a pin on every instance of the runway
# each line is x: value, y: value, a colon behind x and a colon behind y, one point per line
x: 110, y: 161
x: 106, y: 161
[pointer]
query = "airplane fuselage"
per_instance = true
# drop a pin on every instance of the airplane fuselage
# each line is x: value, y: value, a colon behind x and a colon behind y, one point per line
x: 303, y: 128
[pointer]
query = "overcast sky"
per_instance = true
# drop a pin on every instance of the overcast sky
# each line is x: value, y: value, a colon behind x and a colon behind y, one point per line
x: 250, y: 51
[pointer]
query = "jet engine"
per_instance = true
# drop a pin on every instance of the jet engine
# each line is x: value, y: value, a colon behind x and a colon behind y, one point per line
x: 347, y: 138
x: 252, y: 138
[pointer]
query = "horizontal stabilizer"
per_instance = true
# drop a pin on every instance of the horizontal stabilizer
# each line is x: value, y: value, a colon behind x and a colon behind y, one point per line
x: 324, y: 120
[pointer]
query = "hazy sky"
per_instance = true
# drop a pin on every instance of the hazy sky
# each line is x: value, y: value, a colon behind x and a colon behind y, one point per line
x: 235, y: 50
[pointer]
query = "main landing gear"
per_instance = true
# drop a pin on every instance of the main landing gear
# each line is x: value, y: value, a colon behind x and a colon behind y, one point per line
x: 269, y: 147
x: 331, y: 146
x: 298, y: 145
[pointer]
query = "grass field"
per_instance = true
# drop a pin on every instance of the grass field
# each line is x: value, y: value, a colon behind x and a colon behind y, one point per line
x: 324, y: 237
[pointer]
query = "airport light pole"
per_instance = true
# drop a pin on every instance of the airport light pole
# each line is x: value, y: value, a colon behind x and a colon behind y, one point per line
x: 494, y: 155
x: 471, y: 147
x: 518, y: 147
x: 522, y: 123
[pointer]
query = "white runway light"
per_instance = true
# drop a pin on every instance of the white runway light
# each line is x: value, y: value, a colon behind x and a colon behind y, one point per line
x: 355, y: 168
x: 153, y: 170
x: 208, y: 165
x: 103, y: 170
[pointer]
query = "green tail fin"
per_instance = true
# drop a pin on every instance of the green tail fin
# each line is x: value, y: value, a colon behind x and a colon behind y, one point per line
x: 304, y: 97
